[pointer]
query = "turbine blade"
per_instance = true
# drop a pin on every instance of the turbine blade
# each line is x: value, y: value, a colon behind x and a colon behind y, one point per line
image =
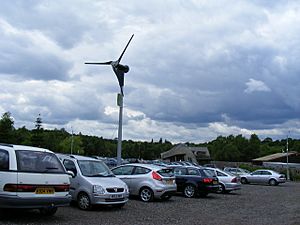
x: 99, y: 63
x: 125, y: 49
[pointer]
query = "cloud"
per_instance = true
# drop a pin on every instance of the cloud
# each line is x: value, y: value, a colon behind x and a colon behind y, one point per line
x: 197, y: 68
x: 256, y: 85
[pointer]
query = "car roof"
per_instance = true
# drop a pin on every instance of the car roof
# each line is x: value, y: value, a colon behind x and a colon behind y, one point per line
x: 149, y: 166
x: 25, y: 147
x: 78, y: 157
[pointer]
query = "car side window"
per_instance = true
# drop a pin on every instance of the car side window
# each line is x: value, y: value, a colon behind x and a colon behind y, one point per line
x: 4, y: 160
x: 193, y: 172
x: 141, y: 170
x: 265, y: 173
x: 70, y: 165
x: 256, y: 173
x: 179, y: 171
x: 123, y: 170
x: 220, y: 174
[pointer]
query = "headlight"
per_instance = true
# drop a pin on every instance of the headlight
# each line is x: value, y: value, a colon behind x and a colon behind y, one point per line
x: 98, y: 189
x: 126, y: 189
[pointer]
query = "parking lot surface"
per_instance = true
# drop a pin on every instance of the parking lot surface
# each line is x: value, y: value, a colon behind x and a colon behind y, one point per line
x: 254, y: 204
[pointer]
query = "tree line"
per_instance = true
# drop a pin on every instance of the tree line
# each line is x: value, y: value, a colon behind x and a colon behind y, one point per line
x: 230, y: 148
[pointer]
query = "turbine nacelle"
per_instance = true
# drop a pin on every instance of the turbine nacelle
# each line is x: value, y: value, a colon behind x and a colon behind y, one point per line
x: 118, y: 68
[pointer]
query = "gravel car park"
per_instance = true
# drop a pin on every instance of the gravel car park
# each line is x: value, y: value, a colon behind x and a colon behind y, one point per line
x: 253, y: 204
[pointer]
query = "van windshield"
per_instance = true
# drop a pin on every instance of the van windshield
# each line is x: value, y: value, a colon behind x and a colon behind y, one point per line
x: 39, y: 162
x: 93, y: 168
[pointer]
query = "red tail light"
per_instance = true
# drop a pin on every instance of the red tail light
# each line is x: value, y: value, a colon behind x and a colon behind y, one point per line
x: 208, y: 180
x: 156, y: 176
x: 32, y: 188
x: 234, y: 180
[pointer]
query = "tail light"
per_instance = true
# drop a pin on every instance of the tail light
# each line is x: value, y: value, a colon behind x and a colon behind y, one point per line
x: 156, y: 176
x: 234, y: 180
x: 208, y: 180
x: 32, y: 188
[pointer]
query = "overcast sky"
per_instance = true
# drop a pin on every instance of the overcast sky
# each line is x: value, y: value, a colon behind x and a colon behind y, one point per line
x: 198, y: 68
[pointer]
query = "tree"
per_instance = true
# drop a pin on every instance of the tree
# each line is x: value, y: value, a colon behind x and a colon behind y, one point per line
x: 7, y: 128
x: 37, y: 138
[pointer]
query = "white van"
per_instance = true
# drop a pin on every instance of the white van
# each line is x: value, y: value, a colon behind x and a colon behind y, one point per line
x: 93, y: 183
x: 32, y: 178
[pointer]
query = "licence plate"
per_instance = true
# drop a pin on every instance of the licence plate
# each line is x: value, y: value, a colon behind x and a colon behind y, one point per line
x: 44, y: 191
x: 169, y: 182
x: 116, y: 196
x: 215, y: 182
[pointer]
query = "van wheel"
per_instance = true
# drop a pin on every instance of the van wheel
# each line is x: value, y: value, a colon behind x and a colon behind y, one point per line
x: 83, y: 201
x: 146, y: 194
x: 48, y: 211
x: 189, y: 191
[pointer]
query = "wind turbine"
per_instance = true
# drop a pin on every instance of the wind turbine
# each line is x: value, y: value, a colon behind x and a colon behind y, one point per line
x: 117, y: 67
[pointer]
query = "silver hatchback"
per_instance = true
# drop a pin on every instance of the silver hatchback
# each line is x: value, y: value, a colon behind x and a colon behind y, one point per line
x: 147, y: 181
x: 93, y: 183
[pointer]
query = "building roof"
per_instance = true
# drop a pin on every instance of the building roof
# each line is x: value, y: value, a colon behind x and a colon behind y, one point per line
x: 273, y: 157
x: 184, y: 149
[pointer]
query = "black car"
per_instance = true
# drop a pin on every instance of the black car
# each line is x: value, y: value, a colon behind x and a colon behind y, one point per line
x: 193, y: 181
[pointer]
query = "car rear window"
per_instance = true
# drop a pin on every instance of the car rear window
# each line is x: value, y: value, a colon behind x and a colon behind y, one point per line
x: 166, y: 172
x: 209, y: 173
x: 4, y: 160
x: 39, y: 162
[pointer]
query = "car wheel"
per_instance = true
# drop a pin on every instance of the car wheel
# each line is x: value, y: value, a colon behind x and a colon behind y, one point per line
x: 146, y: 194
x: 189, y: 191
x: 83, y: 201
x: 221, y: 189
x: 244, y: 180
x: 273, y: 182
x: 48, y: 211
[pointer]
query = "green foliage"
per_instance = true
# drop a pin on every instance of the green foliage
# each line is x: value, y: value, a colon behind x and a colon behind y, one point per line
x: 231, y: 148
x: 7, y: 128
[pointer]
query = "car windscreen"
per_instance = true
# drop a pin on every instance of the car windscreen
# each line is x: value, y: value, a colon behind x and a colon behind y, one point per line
x: 167, y: 172
x: 38, y: 161
x: 94, y: 168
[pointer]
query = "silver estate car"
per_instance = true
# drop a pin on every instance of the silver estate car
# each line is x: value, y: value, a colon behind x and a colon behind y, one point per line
x: 147, y: 181
x: 227, y: 181
x: 93, y: 183
x: 263, y: 176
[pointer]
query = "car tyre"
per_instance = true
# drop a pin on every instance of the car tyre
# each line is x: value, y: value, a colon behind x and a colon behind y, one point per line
x: 189, y: 191
x: 244, y: 180
x: 273, y: 182
x: 221, y: 189
x: 83, y: 201
x: 48, y: 211
x: 146, y: 194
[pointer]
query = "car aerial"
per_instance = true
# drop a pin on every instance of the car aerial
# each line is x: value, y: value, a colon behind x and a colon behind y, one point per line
x: 147, y: 181
x: 228, y: 182
x: 236, y: 171
x: 32, y: 178
x: 93, y: 183
x: 193, y: 181
x: 263, y: 176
